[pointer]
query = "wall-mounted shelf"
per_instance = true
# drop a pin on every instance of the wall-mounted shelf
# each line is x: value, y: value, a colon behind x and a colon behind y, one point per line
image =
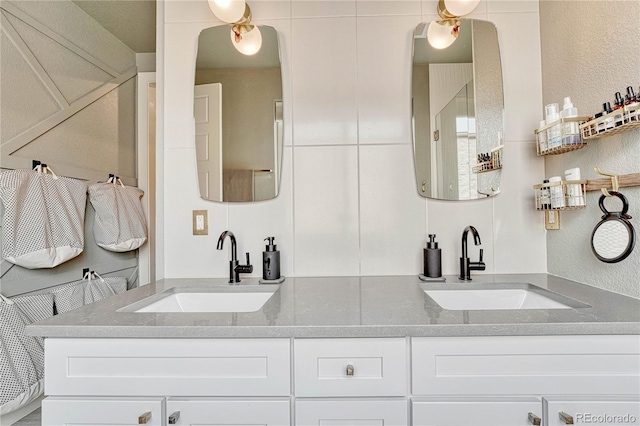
x: 624, y: 181
x: 494, y: 163
x: 562, y: 195
x: 618, y: 121
x: 568, y: 138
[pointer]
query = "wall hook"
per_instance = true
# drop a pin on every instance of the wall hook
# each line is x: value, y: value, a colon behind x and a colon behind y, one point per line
x: 615, y: 182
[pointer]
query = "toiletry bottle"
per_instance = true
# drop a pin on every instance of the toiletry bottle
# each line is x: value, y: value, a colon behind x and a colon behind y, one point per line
x: 542, y: 138
x: 575, y: 196
x: 432, y: 259
x: 557, y: 192
x: 608, y: 121
x: 270, y: 261
x: 618, y: 107
x: 570, y: 130
x: 545, y: 197
x: 554, y: 132
x: 632, y: 102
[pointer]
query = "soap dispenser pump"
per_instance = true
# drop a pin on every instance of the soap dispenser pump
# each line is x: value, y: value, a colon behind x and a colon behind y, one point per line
x: 432, y: 259
x: 270, y: 261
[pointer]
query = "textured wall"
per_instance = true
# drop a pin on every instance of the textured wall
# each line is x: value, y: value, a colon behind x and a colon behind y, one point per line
x: 584, y: 56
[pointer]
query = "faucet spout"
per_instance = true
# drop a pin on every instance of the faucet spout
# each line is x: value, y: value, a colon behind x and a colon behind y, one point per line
x: 466, y: 266
x: 234, y: 265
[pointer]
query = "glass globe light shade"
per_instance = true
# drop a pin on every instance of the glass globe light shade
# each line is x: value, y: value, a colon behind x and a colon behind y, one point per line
x: 247, y: 39
x: 228, y: 11
x: 441, y: 34
x: 460, y: 7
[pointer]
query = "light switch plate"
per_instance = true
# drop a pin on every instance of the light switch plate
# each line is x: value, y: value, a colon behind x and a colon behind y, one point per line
x: 200, y: 222
x: 552, y: 219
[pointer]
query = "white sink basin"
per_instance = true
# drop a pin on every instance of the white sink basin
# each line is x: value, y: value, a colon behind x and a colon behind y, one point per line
x: 246, y: 298
x: 505, y: 296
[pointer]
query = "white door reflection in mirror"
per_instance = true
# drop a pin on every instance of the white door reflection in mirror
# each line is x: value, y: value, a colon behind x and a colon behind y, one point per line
x: 207, y: 107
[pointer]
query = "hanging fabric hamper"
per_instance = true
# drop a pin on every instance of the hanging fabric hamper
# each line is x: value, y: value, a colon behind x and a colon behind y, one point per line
x: 43, y: 224
x: 21, y: 356
x: 120, y: 222
x: 87, y: 290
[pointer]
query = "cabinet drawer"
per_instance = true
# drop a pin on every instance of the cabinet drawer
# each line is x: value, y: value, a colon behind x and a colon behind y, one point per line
x: 475, y: 411
x: 102, y: 411
x: 532, y: 365
x: 350, y: 367
x: 351, y: 412
x: 180, y: 367
x: 206, y: 411
x: 600, y: 410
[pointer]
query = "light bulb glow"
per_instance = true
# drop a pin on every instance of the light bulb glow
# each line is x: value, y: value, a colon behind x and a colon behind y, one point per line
x: 442, y: 34
x: 460, y: 7
x: 247, y: 39
x: 229, y: 11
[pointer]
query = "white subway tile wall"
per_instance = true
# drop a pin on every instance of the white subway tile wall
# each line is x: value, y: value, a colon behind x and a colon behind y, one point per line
x: 349, y: 203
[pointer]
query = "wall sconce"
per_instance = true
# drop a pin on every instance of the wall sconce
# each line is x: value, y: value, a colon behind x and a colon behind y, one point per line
x: 246, y: 38
x: 441, y: 34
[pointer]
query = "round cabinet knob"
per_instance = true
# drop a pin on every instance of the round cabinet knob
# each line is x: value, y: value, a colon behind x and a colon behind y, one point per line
x: 566, y: 418
x: 144, y: 418
x: 350, y: 370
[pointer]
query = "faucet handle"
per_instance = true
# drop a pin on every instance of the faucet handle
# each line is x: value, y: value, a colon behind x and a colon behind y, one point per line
x: 481, y: 254
x: 249, y: 262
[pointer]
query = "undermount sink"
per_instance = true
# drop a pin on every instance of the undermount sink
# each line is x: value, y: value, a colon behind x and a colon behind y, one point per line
x: 498, y: 296
x: 241, y: 298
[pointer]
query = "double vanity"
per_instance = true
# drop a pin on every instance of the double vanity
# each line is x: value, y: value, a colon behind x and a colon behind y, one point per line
x: 502, y: 350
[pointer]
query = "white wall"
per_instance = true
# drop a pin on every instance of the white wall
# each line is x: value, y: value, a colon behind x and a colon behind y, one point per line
x: 349, y: 203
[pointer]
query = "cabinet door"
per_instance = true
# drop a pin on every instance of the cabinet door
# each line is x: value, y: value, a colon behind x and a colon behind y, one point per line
x: 205, y: 411
x: 592, y: 410
x: 476, y: 411
x: 351, y: 413
x: 102, y: 411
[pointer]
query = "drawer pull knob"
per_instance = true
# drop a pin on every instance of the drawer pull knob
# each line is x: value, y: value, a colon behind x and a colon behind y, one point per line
x: 567, y: 419
x: 534, y: 420
x: 350, y: 370
x: 144, y: 418
x: 173, y: 418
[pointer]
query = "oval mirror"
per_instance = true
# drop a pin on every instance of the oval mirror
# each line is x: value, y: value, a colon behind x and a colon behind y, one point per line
x: 457, y: 112
x: 238, y: 117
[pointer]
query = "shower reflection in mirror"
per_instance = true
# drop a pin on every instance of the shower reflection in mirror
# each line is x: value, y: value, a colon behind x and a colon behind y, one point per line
x: 457, y: 111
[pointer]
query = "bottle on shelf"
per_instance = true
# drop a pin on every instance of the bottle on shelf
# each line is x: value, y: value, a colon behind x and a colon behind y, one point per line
x: 554, y: 133
x: 570, y: 130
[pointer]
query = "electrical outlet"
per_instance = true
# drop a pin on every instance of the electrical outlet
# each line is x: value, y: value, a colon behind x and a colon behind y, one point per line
x: 200, y: 222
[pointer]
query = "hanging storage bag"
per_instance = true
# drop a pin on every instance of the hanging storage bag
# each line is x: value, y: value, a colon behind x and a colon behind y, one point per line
x: 120, y: 222
x: 43, y: 223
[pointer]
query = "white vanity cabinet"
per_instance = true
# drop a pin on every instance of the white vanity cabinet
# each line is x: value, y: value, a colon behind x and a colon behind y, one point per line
x: 102, y: 411
x: 351, y: 412
x: 480, y: 377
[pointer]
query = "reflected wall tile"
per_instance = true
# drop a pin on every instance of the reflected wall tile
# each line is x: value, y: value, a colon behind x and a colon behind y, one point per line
x: 324, y: 81
x: 325, y: 195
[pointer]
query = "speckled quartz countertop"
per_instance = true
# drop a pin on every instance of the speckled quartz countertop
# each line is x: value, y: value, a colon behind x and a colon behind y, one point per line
x: 391, y: 306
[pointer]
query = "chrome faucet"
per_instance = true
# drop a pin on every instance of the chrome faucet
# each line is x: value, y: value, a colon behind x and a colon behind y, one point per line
x: 235, y: 269
x: 466, y: 266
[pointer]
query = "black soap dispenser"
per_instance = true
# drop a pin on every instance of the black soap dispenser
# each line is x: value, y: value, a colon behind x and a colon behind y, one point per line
x: 432, y: 259
x: 270, y: 261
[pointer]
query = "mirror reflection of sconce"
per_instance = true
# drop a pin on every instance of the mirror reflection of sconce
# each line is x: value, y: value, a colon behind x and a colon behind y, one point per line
x: 245, y: 37
x: 441, y: 34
